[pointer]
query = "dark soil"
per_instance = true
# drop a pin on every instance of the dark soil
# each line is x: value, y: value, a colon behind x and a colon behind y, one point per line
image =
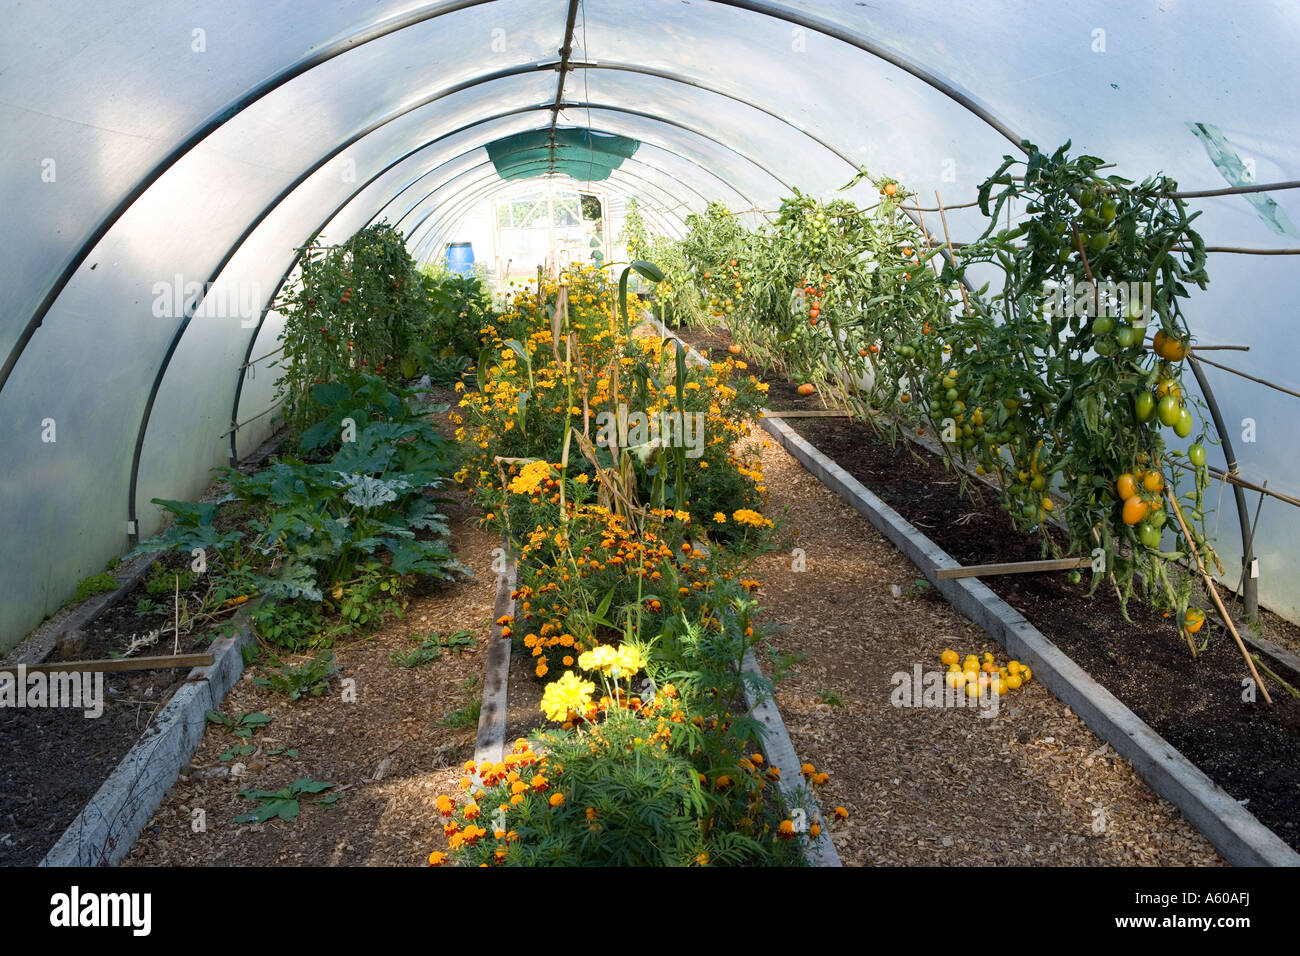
x: 1252, y: 750
x: 55, y: 758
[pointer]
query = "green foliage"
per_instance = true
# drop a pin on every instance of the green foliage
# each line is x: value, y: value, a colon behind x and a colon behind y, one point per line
x: 431, y: 648
x: 164, y: 582
x: 296, y: 625
x: 456, y: 307
x: 95, y: 584
x: 312, y: 678
x: 285, y: 804
x: 331, y: 540
x: 145, y: 606
x: 1042, y: 379
x: 464, y: 717
x: 361, y: 305
x: 242, y: 726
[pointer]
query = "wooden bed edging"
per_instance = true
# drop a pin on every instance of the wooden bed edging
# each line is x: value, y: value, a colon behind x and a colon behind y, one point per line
x: 107, y: 827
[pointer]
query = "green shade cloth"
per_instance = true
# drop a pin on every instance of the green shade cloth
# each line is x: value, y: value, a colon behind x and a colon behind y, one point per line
x: 579, y: 153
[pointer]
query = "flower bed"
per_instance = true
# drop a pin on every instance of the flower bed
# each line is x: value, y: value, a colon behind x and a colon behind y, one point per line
x: 609, y: 464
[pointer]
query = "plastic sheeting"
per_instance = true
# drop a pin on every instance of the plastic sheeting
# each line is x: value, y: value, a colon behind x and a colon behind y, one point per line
x: 165, y: 161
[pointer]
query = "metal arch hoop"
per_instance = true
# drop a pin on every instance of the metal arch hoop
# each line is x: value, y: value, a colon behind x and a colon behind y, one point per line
x: 640, y: 162
x: 461, y: 203
x: 361, y: 37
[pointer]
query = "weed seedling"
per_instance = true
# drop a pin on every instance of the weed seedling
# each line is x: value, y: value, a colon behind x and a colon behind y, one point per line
x: 285, y: 803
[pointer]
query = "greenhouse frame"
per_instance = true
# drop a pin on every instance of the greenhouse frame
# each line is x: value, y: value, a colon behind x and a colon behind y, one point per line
x: 183, y: 180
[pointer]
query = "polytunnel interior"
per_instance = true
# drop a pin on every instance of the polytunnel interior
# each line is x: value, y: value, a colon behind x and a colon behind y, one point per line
x: 193, y: 148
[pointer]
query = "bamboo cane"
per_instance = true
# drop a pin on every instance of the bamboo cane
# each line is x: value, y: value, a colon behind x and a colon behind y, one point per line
x: 1214, y: 593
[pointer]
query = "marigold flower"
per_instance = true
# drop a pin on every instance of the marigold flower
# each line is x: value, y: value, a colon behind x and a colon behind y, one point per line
x: 752, y: 518
x: 445, y: 805
x: 569, y: 693
x: 841, y: 813
x: 437, y: 858
x: 556, y: 799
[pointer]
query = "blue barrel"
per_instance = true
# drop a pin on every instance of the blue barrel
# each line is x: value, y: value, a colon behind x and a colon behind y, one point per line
x: 460, y: 257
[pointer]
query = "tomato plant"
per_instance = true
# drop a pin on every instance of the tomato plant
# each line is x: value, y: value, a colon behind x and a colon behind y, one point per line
x: 359, y: 305
x: 1043, y: 379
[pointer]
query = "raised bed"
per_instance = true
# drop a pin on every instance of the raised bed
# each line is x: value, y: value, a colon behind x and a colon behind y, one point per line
x: 61, y: 769
x: 1234, y: 830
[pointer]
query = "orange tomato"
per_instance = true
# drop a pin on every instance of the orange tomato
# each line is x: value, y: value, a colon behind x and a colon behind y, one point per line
x: 1135, y: 509
x: 807, y: 389
x: 1126, y: 487
x: 1193, y: 619
x: 891, y: 189
x: 733, y: 348
x: 1168, y: 347
x: 1153, y: 482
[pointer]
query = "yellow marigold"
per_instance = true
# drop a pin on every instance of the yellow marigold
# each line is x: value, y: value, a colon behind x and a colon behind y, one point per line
x: 720, y: 517
x: 569, y: 693
x: 751, y: 518
x: 530, y: 478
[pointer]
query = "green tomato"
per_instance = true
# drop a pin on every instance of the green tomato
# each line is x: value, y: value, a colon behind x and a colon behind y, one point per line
x: 1102, y: 324
x: 1145, y: 406
x: 1183, y: 426
x: 1158, y: 519
x: 1108, y: 210
x: 1075, y: 577
x: 1168, y: 409
x: 1127, y: 336
x: 1196, y: 455
x: 1087, y: 197
x: 1149, y: 535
